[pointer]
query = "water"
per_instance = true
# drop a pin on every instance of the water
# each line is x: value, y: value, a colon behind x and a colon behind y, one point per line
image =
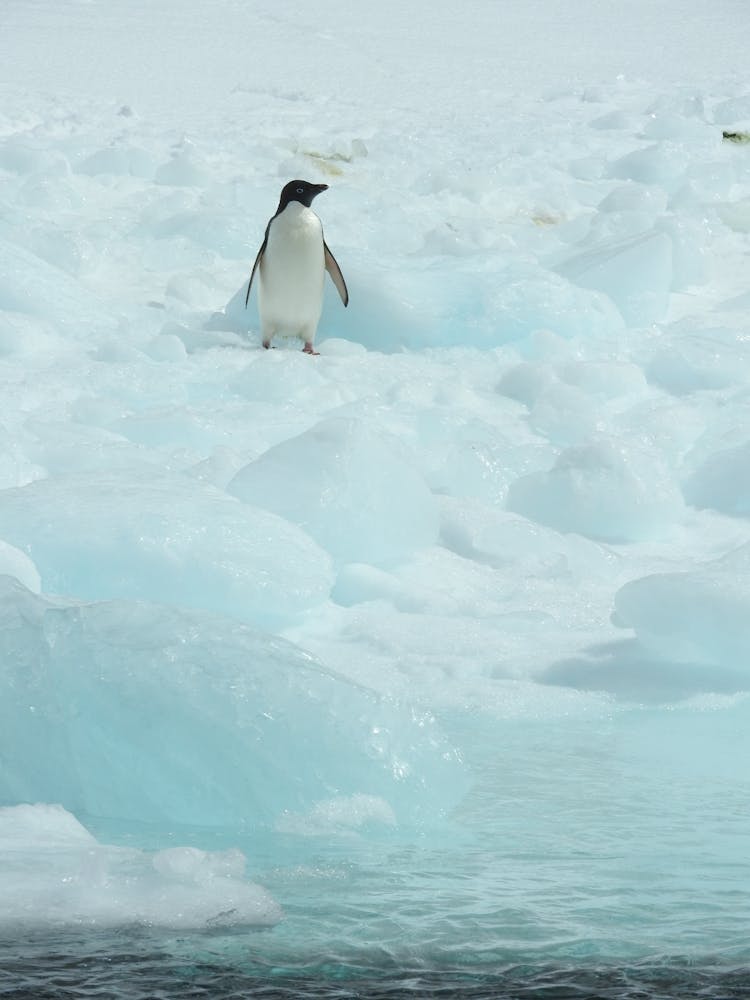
x: 133, y: 967
x: 592, y: 857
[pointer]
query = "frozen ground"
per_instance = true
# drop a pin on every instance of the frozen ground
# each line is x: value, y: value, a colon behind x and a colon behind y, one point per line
x: 441, y: 636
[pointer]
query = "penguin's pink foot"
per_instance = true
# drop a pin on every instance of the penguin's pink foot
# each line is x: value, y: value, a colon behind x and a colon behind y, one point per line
x: 266, y: 344
x: 309, y: 349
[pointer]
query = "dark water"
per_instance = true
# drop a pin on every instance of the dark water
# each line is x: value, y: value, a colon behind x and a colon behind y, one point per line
x: 138, y: 966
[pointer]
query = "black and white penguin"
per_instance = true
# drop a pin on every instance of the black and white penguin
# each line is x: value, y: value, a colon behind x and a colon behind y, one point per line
x: 291, y: 266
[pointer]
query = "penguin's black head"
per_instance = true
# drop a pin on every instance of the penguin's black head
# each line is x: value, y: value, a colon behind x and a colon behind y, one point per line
x: 302, y: 191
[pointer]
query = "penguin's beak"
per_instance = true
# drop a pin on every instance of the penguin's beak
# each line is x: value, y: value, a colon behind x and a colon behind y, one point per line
x: 319, y: 188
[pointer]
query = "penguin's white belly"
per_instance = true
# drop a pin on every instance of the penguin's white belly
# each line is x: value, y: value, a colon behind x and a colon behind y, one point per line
x: 291, y: 273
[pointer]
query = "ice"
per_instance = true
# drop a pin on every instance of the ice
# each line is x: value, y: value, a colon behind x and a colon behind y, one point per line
x: 118, y: 160
x: 695, y: 617
x: 635, y: 197
x: 30, y: 285
x: 165, y: 536
x: 694, y: 355
x: 159, y: 715
x: 655, y: 164
x: 366, y: 520
x: 56, y: 873
x: 722, y: 481
x: 603, y: 489
x: 736, y: 214
x: 509, y: 539
x: 732, y: 111
x: 635, y: 272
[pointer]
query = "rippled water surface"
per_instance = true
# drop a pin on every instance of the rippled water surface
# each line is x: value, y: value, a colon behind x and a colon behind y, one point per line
x: 135, y: 967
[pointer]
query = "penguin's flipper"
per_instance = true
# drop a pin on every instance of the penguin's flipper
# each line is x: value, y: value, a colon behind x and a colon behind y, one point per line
x: 255, y: 268
x: 335, y: 272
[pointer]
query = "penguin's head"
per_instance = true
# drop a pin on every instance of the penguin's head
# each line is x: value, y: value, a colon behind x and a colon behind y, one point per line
x: 301, y: 191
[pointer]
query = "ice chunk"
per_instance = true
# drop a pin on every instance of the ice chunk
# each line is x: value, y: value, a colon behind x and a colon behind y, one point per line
x: 690, y: 239
x: 529, y: 382
x: 166, y: 347
x: 606, y: 380
x: 636, y: 273
x: 526, y: 381
x: 181, y: 170
x: 634, y: 197
x: 701, y: 616
x: 118, y: 159
x: 140, y: 712
x: 722, y: 482
x: 445, y: 304
x: 663, y: 124
x: 165, y: 538
x: 735, y: 214
x: 570, y: 402
x: 358, y: 582
x: 30, y: 285
x: 56, y: 873
x: 630, y: 671
x: 661, y: 164
x: 676, y: 371
x: 526, y: 299
x: 606, y: 490
x: 564, y: 414
x: 693, y: 355
x: 352, y: 488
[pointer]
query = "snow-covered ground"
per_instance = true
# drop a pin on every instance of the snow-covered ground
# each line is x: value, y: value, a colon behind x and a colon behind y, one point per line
x: 479, y: 570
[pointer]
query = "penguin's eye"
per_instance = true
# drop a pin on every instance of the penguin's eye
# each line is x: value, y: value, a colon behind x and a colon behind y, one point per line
x: 300, y: 191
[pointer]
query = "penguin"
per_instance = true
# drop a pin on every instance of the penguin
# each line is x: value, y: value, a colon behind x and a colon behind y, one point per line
x: 291, y: 266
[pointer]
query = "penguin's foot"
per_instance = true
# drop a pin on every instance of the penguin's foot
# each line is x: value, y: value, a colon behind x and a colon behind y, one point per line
x: 309, y: 349
x: 266, y: 344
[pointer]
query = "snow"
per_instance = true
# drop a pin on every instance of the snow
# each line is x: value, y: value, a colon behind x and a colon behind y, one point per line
x: 310, y: 599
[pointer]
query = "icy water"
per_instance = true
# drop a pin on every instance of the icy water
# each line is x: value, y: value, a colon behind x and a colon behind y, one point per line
x: 597, y: 857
